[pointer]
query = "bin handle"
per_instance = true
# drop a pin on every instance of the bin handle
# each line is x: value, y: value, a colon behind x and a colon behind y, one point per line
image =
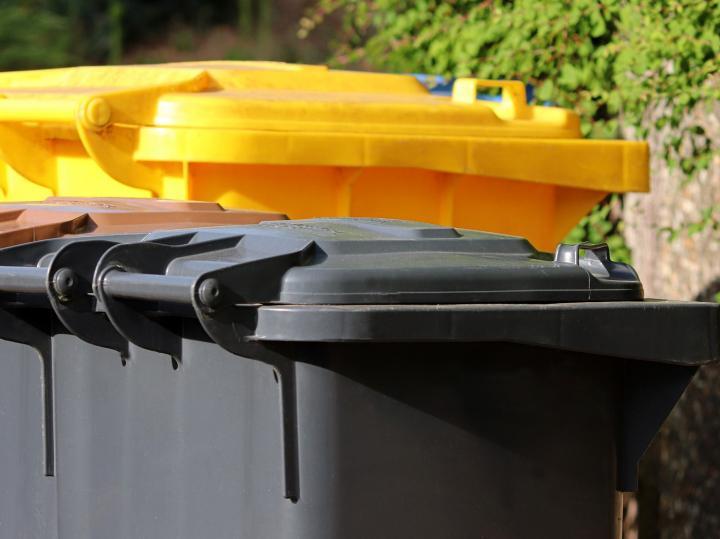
x: 570, y: 253
x: 37, y: 110
x: 514, y: 99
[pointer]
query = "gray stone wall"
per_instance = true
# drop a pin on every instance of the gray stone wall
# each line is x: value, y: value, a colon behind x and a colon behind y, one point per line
x: 681, y: 498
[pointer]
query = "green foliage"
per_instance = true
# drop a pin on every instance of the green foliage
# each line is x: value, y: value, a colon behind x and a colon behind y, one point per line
x: 709, y: 218
x: 609, y: 60
x: 32, y: 36
x: 606, y: 59
x: 52, y: 33
x: 115, y: 16
x: 603, y: 224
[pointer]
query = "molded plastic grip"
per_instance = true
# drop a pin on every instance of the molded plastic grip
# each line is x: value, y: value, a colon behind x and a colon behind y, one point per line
x: 570, y: 253
x: 514, y: 100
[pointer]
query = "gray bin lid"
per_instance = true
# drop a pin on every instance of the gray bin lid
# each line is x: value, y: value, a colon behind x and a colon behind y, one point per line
x: 366, y: 261
x: 346, y: 280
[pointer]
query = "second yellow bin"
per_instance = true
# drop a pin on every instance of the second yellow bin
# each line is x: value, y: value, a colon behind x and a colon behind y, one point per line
x: 308, y: 141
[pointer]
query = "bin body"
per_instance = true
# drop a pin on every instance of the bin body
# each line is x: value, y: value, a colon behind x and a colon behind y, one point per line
x: 347, y: 412
x: 146, y: 451
x: 308, y: 142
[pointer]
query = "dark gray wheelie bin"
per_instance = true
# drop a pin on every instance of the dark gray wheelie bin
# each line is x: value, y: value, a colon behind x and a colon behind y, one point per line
x: 327, y: 379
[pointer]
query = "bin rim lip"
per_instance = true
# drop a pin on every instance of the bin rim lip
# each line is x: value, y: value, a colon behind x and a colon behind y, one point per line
x: 509, y: 323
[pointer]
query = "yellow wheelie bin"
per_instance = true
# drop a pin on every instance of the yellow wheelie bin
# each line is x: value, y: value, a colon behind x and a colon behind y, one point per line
x: 308, y: 141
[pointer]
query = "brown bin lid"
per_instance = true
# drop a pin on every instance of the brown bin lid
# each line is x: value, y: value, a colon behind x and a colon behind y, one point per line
x: 22, y: 222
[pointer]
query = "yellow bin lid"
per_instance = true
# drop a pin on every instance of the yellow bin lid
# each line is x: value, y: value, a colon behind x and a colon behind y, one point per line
x: 308, y: 141
x: 129, y: 117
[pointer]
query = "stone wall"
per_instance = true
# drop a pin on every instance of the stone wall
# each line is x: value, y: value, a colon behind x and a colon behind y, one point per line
x: 682, y: 477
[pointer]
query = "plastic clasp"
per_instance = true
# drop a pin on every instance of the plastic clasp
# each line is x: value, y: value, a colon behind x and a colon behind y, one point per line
x: 570, y: 253
x: 594, y: 257
x: 514, y: 99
